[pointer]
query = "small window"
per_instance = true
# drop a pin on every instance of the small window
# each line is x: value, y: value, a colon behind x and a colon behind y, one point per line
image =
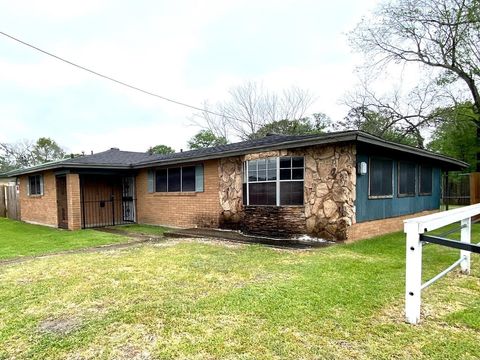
x: 291, y: 193
x: 263, y: 193
x: 406, y: 179
x: 174, y: 180
x: 381, y: 178
x: 426, y: 178
x: 188, y: 178
x: 161, y: 180
x: 35, y: 185
x: 184, y: 179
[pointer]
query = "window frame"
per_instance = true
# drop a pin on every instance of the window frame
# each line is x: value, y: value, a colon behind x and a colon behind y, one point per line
x: 404, y: 195
x: 181, y: 180
x: 420, y: 193
x: 370, y: 159
x: 39, y: 184
x: 277, y: 181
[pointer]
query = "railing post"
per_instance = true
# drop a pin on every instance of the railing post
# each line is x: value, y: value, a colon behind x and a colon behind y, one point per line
x: 413, y: 278
x: 465, y: 237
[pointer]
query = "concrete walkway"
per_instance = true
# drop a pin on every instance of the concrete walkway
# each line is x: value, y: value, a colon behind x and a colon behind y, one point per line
x: 244, y: 238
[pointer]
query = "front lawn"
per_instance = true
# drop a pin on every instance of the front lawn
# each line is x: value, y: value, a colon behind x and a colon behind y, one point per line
x: 21, y: 239
x: 194, y: 299
x: 141, y: 229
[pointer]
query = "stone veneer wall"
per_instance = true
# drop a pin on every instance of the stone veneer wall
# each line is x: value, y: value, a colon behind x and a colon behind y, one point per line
x: 330, y: 182
x: 230, y: 192
x: 281, y: 221
x: 329, y: 195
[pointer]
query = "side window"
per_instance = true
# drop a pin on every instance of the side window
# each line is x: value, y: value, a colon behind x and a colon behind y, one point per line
x: 179, y: 179
x: 35, y: 185
x: 406, y: 179
x: 274, y: 181
x: 425, y: 181
x: 291, y: 180
x: 380, y: 178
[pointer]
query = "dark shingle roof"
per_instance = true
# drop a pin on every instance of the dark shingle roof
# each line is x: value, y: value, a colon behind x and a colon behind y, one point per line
x: 228, y: 148
x: 116, y: 159
x: 112, y: 157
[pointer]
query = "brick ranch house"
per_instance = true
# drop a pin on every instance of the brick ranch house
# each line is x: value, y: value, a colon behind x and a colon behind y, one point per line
x: 343, y: 185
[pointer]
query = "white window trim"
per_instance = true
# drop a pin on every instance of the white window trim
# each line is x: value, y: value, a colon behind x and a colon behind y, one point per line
x: 277, y: 181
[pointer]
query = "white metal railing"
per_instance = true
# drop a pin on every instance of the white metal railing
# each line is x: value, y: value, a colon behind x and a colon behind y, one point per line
x: 414, y: 229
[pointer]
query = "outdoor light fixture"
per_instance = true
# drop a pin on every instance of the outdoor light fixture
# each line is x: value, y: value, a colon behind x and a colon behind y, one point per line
x: 362, y: 168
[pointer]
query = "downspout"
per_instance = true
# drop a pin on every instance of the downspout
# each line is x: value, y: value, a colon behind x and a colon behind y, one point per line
x: 446, y: 190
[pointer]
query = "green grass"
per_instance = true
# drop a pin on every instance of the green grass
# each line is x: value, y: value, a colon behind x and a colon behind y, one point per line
x: 197, y: 300
x: 21, y: 239
x: 142, y: 229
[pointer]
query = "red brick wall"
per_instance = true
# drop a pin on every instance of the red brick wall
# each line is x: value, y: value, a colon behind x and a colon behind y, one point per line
x: 373, y: 228
x: 40, y: 209
x: 186, y: 209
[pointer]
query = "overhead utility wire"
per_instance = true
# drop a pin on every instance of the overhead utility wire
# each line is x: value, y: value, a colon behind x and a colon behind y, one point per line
x: 114, y: 80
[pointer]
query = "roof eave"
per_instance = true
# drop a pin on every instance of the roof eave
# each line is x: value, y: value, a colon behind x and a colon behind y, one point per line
x: 372, y: 140
x: 26, y: 171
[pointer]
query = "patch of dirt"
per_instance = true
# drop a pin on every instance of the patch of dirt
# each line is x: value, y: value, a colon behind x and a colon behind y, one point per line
x: 133, y: 353
x: 60, y: 326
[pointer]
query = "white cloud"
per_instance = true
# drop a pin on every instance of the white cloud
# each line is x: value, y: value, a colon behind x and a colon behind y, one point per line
x: 152, y: 45
x: 54, y: 9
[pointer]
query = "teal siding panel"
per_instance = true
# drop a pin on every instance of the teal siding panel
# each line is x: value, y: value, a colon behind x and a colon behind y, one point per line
x: 373, y: 209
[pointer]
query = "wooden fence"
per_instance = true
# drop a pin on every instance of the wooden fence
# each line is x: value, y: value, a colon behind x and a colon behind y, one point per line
x: 3, y: 203
x: 9, y: 202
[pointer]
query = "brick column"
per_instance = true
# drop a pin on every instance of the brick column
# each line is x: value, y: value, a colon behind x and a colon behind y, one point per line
x: 73, y: 200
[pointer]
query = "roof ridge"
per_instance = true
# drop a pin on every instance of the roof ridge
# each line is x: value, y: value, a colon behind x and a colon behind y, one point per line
x: 124, y: 160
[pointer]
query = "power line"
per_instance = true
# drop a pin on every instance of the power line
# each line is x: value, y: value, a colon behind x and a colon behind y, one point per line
x: 114, y: 80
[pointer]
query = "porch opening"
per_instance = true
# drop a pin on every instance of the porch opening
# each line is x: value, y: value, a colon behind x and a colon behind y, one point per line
x: 107, y: 200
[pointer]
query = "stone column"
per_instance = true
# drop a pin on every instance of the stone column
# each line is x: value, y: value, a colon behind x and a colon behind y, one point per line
x: 73, y: 202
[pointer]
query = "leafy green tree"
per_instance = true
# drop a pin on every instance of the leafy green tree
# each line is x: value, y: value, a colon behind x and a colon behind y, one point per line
x: 440, y: 37
x: 161, y: 149
x: 455, y: 134
x: 379, y: 124
x: 303, y: 126
x: 204, y: 139
x: 46, y: 149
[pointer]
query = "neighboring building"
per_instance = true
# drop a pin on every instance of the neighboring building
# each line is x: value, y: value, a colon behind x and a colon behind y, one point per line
x: 7, y: 181
x: 335, y: 186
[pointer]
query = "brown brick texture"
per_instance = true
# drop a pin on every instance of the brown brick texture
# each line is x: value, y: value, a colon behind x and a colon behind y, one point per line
x: 73, y: 202
x: 188, y: 209
x: 373, y: 228
x: 39, y: 209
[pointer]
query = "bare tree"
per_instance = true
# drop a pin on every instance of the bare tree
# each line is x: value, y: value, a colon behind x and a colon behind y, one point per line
x: 250, y: 107
x: 17, y: 155
x: 27, y: 153
x: 396, y: 112
x: 443, y: 35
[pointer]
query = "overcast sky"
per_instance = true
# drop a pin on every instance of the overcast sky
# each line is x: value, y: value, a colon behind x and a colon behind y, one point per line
x: 187, y: 50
